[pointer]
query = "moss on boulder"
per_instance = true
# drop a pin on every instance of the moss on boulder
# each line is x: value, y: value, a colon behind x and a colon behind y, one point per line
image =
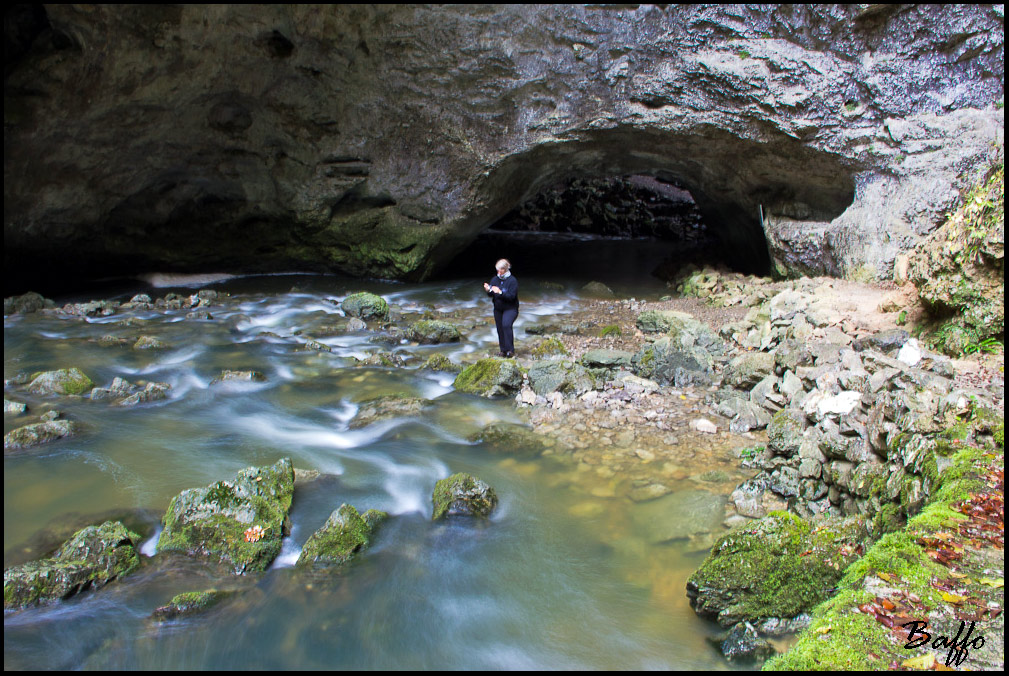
x: 777, y: 568
x: 63, y: 381
x: 365, y: 306
x: 387, y: 406
x: 344, y: 534
x: 40, y: 433
x: 490, y: 377
x: 548, y: 347
x: 439, y: 362
x: 190, y: 603
x: 238, y: 522
x: 434, y: 332
x: 462, y: 495
x: 92, y: 558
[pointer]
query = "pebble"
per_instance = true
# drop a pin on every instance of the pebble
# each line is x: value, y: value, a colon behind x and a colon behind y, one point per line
x: 704, y: 426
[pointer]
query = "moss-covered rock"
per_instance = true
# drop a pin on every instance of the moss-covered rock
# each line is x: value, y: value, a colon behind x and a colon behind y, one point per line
x: 434, y: 332
x: 238, y: 522
x: 388, y: 406
x: 490, y: 377
x: 92, y: 558
x: 40, y: 433
x: 777, y: 568
x: 190, y: 603
x: 784, y: 432
x: 548, y: 347
x: 148, y: 343
x: 62, y: 381
x: 365, y: 306
x: 462, y: 495
x: 512, y: 438
x: 439, y: 362
x: 344, y: 534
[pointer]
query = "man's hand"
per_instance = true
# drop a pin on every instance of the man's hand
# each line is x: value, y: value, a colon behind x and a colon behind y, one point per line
x: 486, y: 286
x: 495, y: 289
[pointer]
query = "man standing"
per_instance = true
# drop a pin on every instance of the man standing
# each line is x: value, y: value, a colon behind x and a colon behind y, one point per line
x: 504, y: 290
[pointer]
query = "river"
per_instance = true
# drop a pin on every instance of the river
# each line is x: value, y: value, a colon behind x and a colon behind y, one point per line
x: 558, y: 578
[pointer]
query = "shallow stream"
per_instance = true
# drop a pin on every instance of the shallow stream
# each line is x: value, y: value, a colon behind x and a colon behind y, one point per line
x: 560, y: 577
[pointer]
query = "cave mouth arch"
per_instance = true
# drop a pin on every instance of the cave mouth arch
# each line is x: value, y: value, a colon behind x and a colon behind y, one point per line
x: 733, y: 182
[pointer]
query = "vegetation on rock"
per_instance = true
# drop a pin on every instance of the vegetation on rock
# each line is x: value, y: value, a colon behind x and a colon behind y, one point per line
x: 92, y: 558
x: 344, y: 534
x: 238, y: 522
x: 959, y: 270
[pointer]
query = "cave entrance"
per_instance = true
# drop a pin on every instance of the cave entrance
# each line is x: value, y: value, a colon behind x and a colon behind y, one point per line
x: 708, y: 197
x: 630, y: 231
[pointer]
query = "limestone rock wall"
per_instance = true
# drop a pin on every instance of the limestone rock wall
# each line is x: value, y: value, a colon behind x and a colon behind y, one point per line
x: 379, y: 140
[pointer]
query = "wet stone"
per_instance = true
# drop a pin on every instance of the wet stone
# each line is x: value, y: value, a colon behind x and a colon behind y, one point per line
x: 37, y: 434
x: 92, y: 558
x: 462, y: 495
x: 680, y: 515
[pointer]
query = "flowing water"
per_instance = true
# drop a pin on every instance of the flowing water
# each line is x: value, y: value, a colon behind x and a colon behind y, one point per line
x: 548, y: 582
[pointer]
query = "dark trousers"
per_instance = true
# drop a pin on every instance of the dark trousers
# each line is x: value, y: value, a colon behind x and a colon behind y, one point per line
x: 503, y: 320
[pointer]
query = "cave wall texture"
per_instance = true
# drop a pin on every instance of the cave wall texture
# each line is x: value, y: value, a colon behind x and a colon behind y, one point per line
x: 380, y: 140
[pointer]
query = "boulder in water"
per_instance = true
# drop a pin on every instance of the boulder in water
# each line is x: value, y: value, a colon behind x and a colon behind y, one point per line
x: 365, y: 306
x: 462, y: 495
x: 92, y: 558
x: 345, y: 533
x: 433, y: 332
x: 190, y: 603
x: 239, y: 522
x: 62, y: 381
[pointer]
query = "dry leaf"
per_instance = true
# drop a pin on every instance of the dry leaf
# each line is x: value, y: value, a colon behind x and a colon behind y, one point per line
x: 926, y: 661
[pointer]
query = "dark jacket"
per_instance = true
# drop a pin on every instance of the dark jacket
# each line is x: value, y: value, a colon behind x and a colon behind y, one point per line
x: 508, y: 299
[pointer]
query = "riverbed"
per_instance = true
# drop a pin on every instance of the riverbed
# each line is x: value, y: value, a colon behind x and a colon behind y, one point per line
x: 564, y: 575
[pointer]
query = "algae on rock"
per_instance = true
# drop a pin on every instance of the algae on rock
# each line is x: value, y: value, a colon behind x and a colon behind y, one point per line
x: 190, y: 603
x: 92, y: 558
x: 777, y: 568
x: 365, y: 305
x: 490, y: 377
x: 462, y: 495
x: 239, y: 522
x: 344, y: 534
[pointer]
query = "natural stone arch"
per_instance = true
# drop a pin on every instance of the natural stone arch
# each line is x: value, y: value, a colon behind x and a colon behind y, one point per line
x: 731, y: 179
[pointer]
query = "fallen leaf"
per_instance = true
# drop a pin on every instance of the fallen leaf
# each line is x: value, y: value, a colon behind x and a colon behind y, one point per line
x: 886, y: 577
x: 824, y: 630
x: 992, y: 582
x: 926, y: 661
x: 952, y: 598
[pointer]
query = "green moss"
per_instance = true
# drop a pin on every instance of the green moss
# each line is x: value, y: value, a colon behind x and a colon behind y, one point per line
x: 489, y: 377
x: 365, y: 306
x: 479, y: 498
x: 610, y: 330
x: 439, y: 362
x: 549, y: 346
x: 345, y: 533
x: 778, y: 568
x: 816, y: 649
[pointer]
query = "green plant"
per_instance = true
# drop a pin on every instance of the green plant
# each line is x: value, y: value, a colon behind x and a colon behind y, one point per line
x: 902, y: 318
x: 988, y: 345
x: 611, y: 330
x: 850, y: 106
x: 743, y: 54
